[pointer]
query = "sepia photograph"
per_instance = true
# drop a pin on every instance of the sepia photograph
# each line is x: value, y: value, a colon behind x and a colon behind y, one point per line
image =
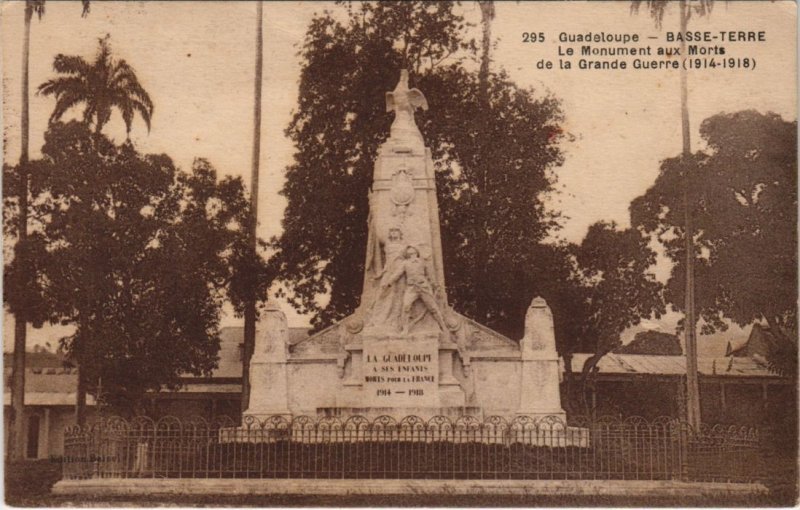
x: 400, y: 253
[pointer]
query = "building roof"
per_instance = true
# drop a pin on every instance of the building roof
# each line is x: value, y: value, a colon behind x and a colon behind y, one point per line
x: 47, y: 387
x: 230, y: 361
x: 762, y: 341
x: 51, y: 381
x: 38, y: 359
x: 674, y: 365
x: 49, y: 399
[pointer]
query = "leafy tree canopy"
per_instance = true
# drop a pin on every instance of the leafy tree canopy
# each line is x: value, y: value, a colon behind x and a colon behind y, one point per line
x: 495, y: 155
x: 742, y: 194
x: 138, y: 255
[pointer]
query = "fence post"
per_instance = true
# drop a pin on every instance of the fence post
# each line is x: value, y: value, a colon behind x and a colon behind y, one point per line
x: 683, y: 439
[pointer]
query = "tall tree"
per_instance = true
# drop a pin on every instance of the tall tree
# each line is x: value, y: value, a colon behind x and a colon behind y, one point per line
x: 341, y: 121
x: 657, y: 9
x: 495, y: 175
x: 250, y: 315
x: 119, y: 235
x: 744, y: 198
x: 17, y: 428
x: 101, y: 86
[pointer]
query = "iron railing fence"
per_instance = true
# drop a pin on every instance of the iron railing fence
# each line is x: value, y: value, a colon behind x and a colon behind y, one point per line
x: 386, y: 448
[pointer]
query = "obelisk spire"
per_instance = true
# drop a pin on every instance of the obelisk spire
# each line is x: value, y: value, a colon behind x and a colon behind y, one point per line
x: 404, y: 277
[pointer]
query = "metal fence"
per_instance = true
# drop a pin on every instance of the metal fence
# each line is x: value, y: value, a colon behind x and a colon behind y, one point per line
x: 386, y: 448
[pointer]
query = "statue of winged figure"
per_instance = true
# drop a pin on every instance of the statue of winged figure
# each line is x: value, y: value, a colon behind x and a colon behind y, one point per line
x: 404, y: 101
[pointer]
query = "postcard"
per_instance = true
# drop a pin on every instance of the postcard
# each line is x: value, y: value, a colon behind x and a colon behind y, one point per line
x: 400, y: 253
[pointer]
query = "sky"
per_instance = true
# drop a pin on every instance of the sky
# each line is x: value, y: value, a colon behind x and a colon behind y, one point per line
x: 196, y: 59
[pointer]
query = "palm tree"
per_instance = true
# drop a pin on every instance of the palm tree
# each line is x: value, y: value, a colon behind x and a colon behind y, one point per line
x: 102, y: 85
x: 657, y: 9
x: 17, y: 429
x: 250, y: 306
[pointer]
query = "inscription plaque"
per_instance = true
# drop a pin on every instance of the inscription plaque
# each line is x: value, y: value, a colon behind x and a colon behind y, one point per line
x: 401, y: 372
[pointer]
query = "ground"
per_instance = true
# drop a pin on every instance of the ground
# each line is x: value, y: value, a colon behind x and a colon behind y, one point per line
x: 28, y: 485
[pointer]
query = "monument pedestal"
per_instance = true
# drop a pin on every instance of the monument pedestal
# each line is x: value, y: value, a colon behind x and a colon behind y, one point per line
x: 270, y: 396
x: 269, y: 378
x: 401, y: 371
x: 540, y: 395
x: 400, y: 375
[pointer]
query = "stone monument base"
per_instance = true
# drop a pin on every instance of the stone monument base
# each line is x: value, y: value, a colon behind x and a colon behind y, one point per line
x: 367, y: 425
x: 426, y: 413
x: 572, y: 436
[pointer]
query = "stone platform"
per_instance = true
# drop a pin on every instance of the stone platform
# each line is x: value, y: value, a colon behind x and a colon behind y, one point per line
x: 623, y: 488
x: 412, y: 429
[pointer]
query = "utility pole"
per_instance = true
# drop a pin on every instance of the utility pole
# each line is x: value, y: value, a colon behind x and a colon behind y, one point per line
x: 692, y: 383
x: 250, y: 306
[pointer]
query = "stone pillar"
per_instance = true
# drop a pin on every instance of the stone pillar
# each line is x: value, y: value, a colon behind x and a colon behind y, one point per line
x: 540, y: 372
x: 269, y: 388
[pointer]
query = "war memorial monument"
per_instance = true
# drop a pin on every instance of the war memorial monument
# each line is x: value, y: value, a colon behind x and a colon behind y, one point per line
x: 405, y: 350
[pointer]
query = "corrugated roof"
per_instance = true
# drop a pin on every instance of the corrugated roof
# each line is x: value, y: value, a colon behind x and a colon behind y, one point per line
x: 674, y: 365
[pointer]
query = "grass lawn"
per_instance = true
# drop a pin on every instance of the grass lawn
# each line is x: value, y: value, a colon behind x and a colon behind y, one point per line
x: 28, y: 484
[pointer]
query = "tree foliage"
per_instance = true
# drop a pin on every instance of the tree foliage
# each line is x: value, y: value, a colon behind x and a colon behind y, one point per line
x: 101, y: 85
x: 137, y: 255
x: 613, y: 266
x: 494, y: 164
x: 744, y: 203
x: 652, y: 342
x: 38, y: 7
x: 495, y: 160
